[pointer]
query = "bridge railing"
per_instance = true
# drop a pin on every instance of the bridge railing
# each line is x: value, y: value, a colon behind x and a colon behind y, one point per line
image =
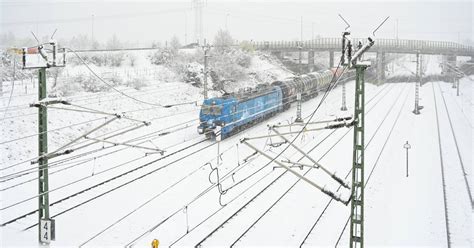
x: 387, y: 45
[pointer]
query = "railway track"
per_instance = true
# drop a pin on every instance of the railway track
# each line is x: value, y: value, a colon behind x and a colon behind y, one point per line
x: 251, y: 200
x: 464, y: 173
x: 443, y: 179
x: 68, y: 197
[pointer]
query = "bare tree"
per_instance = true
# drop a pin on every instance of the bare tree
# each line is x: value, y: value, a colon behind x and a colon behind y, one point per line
x: 55, y: 72
x: 113, y: 43
x: 223, y: 40
x: 175, y: 45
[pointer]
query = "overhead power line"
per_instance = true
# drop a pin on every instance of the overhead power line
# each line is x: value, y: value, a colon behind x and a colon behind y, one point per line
x: 88, y: 18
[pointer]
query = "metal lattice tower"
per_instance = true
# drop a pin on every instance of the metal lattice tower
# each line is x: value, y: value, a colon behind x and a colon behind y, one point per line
x: 416, y: 111
x: 206, y: 56
x: 198, y: 27
x: 343, y: 106
x: 298, y: 108
x: 357, y: 194
x: 46, y: 229
x: 43, y: 185
x: 300, y: 58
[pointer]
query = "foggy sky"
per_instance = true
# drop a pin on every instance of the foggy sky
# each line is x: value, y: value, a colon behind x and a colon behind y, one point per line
x: 140, y: 22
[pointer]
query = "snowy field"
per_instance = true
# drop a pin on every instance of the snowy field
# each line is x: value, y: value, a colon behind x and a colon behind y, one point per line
x: 109, y: 194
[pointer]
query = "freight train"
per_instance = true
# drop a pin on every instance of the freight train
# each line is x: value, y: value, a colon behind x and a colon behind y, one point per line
x: 232, y: 113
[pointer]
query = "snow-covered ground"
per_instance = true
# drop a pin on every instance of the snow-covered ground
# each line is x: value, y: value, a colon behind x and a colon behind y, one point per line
x: 130, y: 195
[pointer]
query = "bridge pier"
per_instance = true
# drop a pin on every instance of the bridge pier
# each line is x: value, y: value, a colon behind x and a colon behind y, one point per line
x: 310, y: 61
x: 331, y: 59
x: 380, y: 67
x: 278, y: 54
x: 447, y: 59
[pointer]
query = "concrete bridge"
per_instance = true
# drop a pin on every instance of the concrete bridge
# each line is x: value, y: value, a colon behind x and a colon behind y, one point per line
x: 449, y: 50
x: 381, y: 45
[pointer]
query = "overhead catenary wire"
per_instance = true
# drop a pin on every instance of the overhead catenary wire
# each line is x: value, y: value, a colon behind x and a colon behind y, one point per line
x: 111, y: 86
x: 348, y: 173
x: 170, y: 105
x: 150, y: 120
x: 55, y: 164
x: 376, y: 163
x: 245, y: 205
x: 103, y: 182
x: 328, y: 89
x: 106, y: 96
x: 178, y: 210
x: 55, y: 161
x: 150, y: 200
x: 125, y: 112
x: 83, y: 162
x: 87, y: 18
x: 174, y: 242
x: 204, y: 192
x: 51, y: 130
x: 11, y: 92
x: 330, y: 200
x: 146, y: 136
x: 225, y: 177
x: 133, y: 180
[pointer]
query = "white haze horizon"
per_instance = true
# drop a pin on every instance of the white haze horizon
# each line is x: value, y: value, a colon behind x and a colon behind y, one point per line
x: 142, y: 22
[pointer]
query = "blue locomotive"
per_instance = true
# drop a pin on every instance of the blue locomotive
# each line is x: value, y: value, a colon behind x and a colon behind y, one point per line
x: 234, y: 112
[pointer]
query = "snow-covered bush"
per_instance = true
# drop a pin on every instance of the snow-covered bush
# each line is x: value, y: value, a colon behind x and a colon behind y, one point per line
x: 137, y: 83
x: 65, y: 88
x: 87, y: 82
x: 8, y: 71
x: 132, y: 59
x: 242, y: 58
x: 162, y: 57
x: 113, y: 78
x: 98, y: 59
x: 194, y: 74
x: 223, y: 40
x: 115, y: 59
x: 230, y: 64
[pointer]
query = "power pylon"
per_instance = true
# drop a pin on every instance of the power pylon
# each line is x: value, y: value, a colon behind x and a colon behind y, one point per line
x: 198, y: 26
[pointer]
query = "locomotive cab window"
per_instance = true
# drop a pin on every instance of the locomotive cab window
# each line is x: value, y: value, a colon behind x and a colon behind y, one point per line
x: 216, y: 110
x: 211, y: 109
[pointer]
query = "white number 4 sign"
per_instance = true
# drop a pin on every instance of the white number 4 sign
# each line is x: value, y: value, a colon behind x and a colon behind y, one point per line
x: 45, y: 234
